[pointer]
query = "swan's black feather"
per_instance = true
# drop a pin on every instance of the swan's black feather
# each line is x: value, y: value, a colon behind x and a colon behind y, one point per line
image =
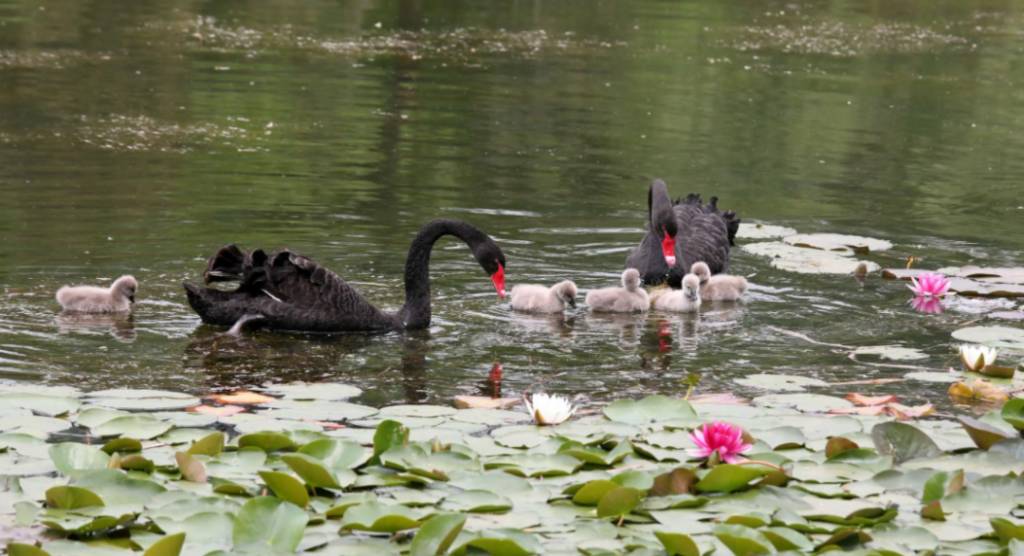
x: 705, y: 234
x: 292, y: 292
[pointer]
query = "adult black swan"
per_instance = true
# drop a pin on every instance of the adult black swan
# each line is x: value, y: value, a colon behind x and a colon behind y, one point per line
x: 681, y: 233
x: 286, y: 291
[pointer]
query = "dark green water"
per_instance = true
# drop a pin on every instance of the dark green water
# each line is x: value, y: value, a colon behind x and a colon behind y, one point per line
x: 138, y: 136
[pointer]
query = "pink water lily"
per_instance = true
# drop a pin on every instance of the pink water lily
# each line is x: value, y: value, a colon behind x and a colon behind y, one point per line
x: 928, y: 284
x: 723, y: 437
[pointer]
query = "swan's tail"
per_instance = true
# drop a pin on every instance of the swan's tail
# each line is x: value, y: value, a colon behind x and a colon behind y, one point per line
x: 225, y: 265
x: 732, y: 222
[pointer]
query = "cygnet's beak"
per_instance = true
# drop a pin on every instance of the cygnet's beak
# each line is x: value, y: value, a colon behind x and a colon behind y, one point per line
x: 692, y: 294
x: 572, y: 302
x: 131, y: 298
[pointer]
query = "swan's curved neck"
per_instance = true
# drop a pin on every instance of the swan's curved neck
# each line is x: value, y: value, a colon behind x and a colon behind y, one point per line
x: 416, y: 311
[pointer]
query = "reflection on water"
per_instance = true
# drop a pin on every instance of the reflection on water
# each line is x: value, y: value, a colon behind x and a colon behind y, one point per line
x: 137, y: 137
x: 120, y: 326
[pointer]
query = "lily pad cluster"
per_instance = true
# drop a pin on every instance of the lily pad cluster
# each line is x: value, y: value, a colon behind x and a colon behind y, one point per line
x: 89, y: 478
x: 811, y: 253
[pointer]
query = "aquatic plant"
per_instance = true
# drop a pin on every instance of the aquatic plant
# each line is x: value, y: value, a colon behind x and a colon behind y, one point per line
x: 550, y: 410
x: 719, y: 437
x: 929, y: 284
x: 978, y: 357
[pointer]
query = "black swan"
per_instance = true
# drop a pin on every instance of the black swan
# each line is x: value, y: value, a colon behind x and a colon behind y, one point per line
x: 681, y: 233
x: 286, y: 291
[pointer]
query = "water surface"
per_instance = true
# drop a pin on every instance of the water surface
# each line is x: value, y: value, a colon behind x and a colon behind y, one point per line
x: 139, y: 136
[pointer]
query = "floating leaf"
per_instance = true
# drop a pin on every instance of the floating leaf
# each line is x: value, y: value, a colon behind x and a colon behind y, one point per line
x: 269, y: 524
x: 476, y: 501
x: 1013, y: 413
x: 217, y: 411
x: 743, y: 540
x: 807, y: 403
x: 998, y: 371
x: 983, y: 434
x: 266, y: 441
x: 502, y: 542
x: 286, y: 487
x: 21, y: 549
x: 678, y: 481
x: 209, y: 445
x: 1006, y: 530
x: 436, y: 535
x: 592, y: 492
x: 933, y: 511
x: 315, y: 391
x: 597, y: 456
x: 50, y: 406
x: 992, y: 336
x: 942, y: 484
x: 116, y: 488
x: 71, y: 498
x: 337, y: 454
x: 677, y: 544
x: 167, y: 546
x: 140, y: 427
x: 895, y: 353
x: 121, y: 445
x: 779, y: 383
x: 376, y: 517
x: 136, y: 462
x: 808, y: 261
x: 903, y: 442
x: 316, y: 474
x: 837, y: 445
x: 389, y: 434
x: 728, y: 477
x: 536, y: 465
x: 191, y: 468
x: 651, y: 408
x: 619, y: 502
x: 73, y: 459
x: 838, y: 242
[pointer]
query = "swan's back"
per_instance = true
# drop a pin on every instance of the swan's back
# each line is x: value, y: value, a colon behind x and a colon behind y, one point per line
x: 534, y: 298
x: 705, y: 235
x: 618, y: 300
x: 723, y: 288
x: 290, y: 291
x: 89, y: 299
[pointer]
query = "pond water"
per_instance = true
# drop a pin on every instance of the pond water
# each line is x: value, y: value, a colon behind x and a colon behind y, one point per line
x: 138, y: 136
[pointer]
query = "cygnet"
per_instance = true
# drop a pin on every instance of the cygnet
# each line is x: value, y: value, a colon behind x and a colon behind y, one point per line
x: 630, y: 298
x: 686, y: 300
x: 538, y: 299
x: 720, y: 287
x: 91, y: 299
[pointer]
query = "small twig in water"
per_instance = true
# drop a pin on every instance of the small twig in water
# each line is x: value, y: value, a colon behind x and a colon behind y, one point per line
x: 805, y: 338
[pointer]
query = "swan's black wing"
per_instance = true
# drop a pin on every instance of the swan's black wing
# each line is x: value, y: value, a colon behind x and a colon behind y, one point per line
x: 648, y: 259
x: 289, y: 291
x: 705, y: 234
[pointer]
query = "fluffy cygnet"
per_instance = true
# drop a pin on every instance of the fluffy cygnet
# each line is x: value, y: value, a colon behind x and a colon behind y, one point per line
x: 686, y: 300
x: 721, y: 287
x: 538, y: 299
x: 630, y: 298
x: 90, y: 299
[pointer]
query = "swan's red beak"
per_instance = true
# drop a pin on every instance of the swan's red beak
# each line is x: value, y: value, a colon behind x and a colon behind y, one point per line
x: 498, y: 279
x: 668, y: 247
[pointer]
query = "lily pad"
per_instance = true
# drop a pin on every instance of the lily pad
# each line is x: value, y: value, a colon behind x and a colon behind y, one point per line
x: 895, y: 353
x: 649, y: 409
x: 314, y: 391
x: 268, y: 524
x: 903, y: 442
x: 51, y: 406
x: 779, y: 383
x: 807, y: 403
x: 838, y: 242
x: 992, y: 336
x: 762, y: 231
x: 74, y: 459
x: 436, y: 535
x: 376, y: 517
x: 728, y: 477
x: 743, y: 540
x: 808, y: 261
x: 140, y: 427
x: 962, y: 286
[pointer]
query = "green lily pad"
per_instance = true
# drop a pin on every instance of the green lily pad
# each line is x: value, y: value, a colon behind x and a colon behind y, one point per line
x: 139, y: 426
x: 122, y: 445
x: 209, y: 445
x: 314, y: 391
x: 71, y: 498
x: 73, y: 459
x: 398, y: 411
x: 903, y: 442
x: 268, y: 524
x: 806, y: 403
x: 286, y: 487
x: 649, y: 409
x: 992, y: 336
x: 677, y: 544
x: 492, y: 417
x: 376, y: 517
x: 316, y: 474
x: 437, y: 535
x: 476, y: 501
x: 536, y: 465
x: 51, y: 406
x: 500, y: 542
x: 779, y: 383
x: 838, y: 242
x: 597, y: 456
x: 743, y: 540
x: 118, y: 489
x: 619, y: 502
x: 782, y: 438
x: 168, y: 546
x: 728, y: 477
x: 1013, y: 413
x: 808, y: 261
x: 337, y: 454
x: 592, y: 492
x: 266, y: 441
x: 784, y: 538
x: 895, y: 353
x: 983, y: 434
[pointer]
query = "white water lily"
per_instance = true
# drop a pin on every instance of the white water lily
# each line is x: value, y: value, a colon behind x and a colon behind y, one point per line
x: 977, y: 357
x: 550, y: 410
